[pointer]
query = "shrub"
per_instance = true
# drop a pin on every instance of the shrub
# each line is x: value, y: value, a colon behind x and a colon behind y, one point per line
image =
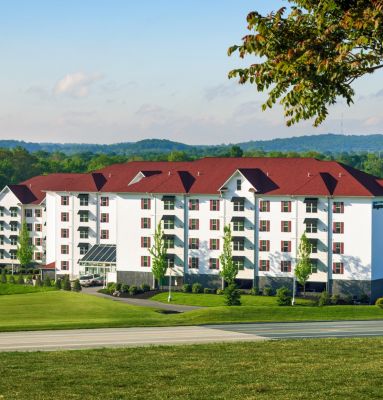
x: 20, y: 280
x: 324, y: 299
x: 186, y: 288
x: 47, y: 281
x: 197, y: 288
x: 145, y: 287
x: 267, y: 291
x: 3, y: 276
x: 111, y: 288
x: 348, y: 299
x: 133, y: 290
x: 124, y: 288
x: 254, y: 291
x: 283, y: 296
x: 76, y: 286
x: 219, y: 291
x: 206, y: 290
x: 29, y: 280
x: 58, y: 284
x: 232, y: 295
x: 335, y: 299
x: 11, y: 279
x: 364, y: 298
x: 118, y: 287
x: 65, y: 285
x: 379, y: 302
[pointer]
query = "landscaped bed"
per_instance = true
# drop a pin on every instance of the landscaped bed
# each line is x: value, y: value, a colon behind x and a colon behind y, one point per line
x: 308, y: 369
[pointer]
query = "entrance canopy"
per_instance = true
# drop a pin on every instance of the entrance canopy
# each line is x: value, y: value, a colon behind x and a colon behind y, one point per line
x: 100, y: 259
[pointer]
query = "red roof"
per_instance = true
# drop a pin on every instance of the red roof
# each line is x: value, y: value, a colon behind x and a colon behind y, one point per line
x: 271, y: 176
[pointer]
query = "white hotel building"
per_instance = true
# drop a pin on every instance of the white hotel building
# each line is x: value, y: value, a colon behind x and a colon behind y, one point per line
x: 105, y: 221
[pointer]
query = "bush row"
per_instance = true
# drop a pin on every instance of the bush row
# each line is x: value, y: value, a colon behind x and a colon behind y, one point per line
x: 121, y: 288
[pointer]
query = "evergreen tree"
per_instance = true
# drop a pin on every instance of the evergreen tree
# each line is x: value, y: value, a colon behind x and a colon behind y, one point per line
x: 3, y: 276
x: 158, y: 252
x: 303, y: 268
x: 24, y: 248
x: 66, y: 284
x: 11, y: 279
x: 76, y: 286
x: 20, y: 280
x: 47, y: 281
x: 58, y: 283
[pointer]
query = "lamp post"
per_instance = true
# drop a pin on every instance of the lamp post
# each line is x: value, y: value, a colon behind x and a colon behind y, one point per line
x: 293, y: 298
x: 170, y: 286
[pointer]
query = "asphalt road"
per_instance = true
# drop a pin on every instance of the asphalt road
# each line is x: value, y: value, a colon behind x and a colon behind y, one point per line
x: 134, y: 337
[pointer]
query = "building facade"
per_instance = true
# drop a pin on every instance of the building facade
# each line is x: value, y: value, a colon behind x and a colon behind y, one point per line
x: 105, y: 221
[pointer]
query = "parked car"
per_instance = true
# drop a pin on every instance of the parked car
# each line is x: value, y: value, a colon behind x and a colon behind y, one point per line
x: 91, y: 280
x: 98, y: 280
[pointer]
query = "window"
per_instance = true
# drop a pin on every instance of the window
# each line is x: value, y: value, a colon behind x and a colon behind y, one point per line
x: 314, y: 245
x: 104, y: 234
x: 38, y: 227
x: 312, y: 226
x: 65, y: 200
x: 193, y: 262
x: 145, y: 241
x: 193, y: 243
x: 264, y: 226
x: 37, y: 213
x: 239, y: 263
x: 13, y: 212
x: 64, y: 249
x: 238, y: 244
x: 13, y: 255
x: 285, y: 226
x: 38, y: 241
x: 1, y: 253
x: 239, y: 184
x: 1, y: 211
x: 38, y: 256
x: 145, y: 204
x: 30, y: 241
x: 338, y: 227
x: 65, y: 265
x: 214, y: 224
x: 84, y: 234
x: 104, y: 217
x: 238, y: 225
x: 2, y: 239
x: 193, y: 204
x: 169, y: 204
x: 145, y: 261
x: 193, y: 224
x: 238, y: 204
x: 264, y: 206
x: 264, y: 245
x: 214, y: 205
x: 1, y: 226
x: 214, y: 244
x: 311, y: 206
x: 170, y: 260
x: 337, y: 268
x: 84, y: 216
x: 13, y: 240
x: 14, y: 226
x: 338, y: 248
x: 169, y: 223
x: 285, y: 206
x: 145, y: 223
x: 264, y: 265
x: 29, y: 227
x: 104, y: 201
x: 84, y: 200
x: 285, y: 266
x: 83, y: 249
x: 314, y: 266
x: 169, y: 242
x: 28, y: 213
x: 338, y: 207
x: 64, y: 233
x: 285, y: 246
x: 64, y: 217
x: 213, y: 263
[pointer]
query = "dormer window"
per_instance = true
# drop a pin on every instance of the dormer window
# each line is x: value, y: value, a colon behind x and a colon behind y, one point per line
x: 239, y: 184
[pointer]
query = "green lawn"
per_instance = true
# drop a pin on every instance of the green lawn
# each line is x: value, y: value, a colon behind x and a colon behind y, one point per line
x: 12, y: 288
x: 213, y: 300
x: 322, y: 369
x: 67, y: 310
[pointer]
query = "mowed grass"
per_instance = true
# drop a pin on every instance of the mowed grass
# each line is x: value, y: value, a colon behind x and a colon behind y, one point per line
x: 336, y: 369
x: 12, y: 288
x: 68, y: 310
x: 214, y: 300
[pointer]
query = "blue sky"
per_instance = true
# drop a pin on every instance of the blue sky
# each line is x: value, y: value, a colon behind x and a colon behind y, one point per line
x: 124, y: 70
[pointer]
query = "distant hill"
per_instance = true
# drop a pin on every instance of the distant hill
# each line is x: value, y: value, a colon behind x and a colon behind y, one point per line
x: 332, y: 143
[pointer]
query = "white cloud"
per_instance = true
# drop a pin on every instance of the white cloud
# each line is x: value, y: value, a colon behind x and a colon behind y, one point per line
x: 76, y: 85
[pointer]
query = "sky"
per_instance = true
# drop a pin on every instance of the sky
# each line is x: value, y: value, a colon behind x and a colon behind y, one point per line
x: 108, y: 71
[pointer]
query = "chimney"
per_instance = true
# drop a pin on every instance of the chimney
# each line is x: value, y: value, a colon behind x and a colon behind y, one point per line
x: 169, y: 173
x: 110, y: 175
x: 309, y: 174
x: 30, y: 186
x: 199, y: 173
x: 340, y: 175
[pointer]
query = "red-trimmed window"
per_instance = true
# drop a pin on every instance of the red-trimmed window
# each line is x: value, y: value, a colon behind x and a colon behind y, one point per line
x: 104, y: 201
x: 264, y: 265
x: 214, y: 244
x: 38, y: 227
x: 145, y: 261
x: 65, y: 200
x: 285, y: 246
x: 214, y: 263
x: 214, y: 205
x: 338, y: 207
x: 104, y: 217
x: 104, y: 234
x: 193, y: 243
x: 145, y: 241
x: 264, y: 226
x: 214, y: 224
x: 193, y: 204
x: 285, y: 206
x: 37, y: 213
x: 64, y: 217
x: 285, y: 266
x: 264, y: 245
x: 145, y: 223
x: 65, y: 265
x: 338, y: 248
x: 38, y: 256
x: 285, y: 226
x: 38, y: 241
x: 145, y: 204
x: 193, y: 224
x: 193, y: 262
x: 64, y: 249
x: 264, y: 206
x: 337, y: 268
x: 64, y: 233
x: 338, y: 227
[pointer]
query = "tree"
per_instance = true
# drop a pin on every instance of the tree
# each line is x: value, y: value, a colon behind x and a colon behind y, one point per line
x: 24, y: 248
x: 66, y: 285
x: 303, y: 268
x: 158, y: 252
x: 229, y: 270
x: 236, y: 151
x: 311, y: 55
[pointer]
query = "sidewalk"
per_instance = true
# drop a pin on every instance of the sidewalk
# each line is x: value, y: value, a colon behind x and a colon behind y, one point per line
x: 140, y: 302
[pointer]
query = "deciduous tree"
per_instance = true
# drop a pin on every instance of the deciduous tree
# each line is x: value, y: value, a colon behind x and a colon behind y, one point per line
x: 304, y: 266
x: 24, y: 248
x: 158, y: 252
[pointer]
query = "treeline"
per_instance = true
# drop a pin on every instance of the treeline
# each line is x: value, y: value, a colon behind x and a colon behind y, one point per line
x: 17, y: 165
